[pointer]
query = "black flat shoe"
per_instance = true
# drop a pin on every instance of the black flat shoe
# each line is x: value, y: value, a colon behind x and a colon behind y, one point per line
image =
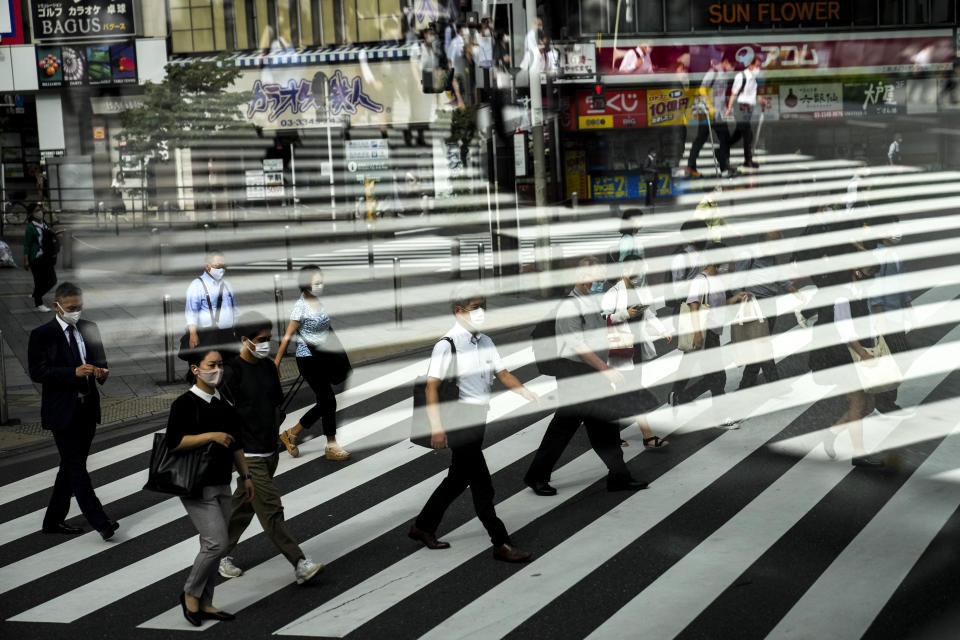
x: 107, y: 530
x: 542, y: 488
x: 62, y: 527
x: 222, y: 616
x: 626, y: 484
x: 193, y: 617
x: 866, y: 461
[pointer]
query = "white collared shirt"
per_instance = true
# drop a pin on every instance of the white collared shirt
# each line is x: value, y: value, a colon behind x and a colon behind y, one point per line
x: 745, y: 87
x: 203, y: 395
x: 477, y: 363
x: 80, y: 343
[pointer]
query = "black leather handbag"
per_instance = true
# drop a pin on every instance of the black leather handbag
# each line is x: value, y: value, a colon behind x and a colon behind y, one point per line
x: 449, y: 393
x: 178, y: 473
x: 336, y: 362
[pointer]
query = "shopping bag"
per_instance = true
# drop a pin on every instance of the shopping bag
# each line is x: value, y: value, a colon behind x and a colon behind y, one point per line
x: 880, y: 373
x: 750, y: 334
x: 685, y: 326
x: 619, y: 341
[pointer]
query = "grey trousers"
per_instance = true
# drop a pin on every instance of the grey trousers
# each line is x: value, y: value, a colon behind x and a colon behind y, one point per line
x: 210, y: 515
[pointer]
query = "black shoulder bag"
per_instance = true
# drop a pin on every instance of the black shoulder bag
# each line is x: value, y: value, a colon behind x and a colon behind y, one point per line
x: 449, y: 393
x: 178, y: 473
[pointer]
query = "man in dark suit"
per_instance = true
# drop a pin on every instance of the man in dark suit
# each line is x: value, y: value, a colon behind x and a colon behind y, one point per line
x: 66, y: 356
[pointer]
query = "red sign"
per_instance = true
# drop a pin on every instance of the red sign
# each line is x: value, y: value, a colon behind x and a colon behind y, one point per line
x: 784, y: 57
x: 10, y: 22
x: 622, y: 107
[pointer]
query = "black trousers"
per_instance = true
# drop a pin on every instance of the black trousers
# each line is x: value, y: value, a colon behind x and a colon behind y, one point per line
x: 44, y: 277
x: 468, y: 468
x: 602, y: 431
x: 325, y: 410
x: 703, y: 133
x: 744, y: 115
x: 714, y: 382
x: 770, y: 371
x: 722, y: 132
x: 897, y: 342
x: 73, y: 444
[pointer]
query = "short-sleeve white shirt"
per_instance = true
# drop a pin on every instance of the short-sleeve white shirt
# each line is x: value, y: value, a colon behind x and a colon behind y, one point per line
x: 477, y: 363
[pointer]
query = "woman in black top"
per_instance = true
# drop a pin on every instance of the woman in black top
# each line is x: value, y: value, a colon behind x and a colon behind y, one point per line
x: 199, y: 417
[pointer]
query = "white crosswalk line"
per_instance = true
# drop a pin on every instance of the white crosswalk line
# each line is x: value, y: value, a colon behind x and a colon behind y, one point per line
x: 88, y: 598
x: 697, y: 579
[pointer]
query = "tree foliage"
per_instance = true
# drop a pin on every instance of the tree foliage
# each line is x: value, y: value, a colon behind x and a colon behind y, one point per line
x: 192, y: 106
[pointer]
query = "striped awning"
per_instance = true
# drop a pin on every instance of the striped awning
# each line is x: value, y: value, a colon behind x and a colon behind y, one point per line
x: 291, y: 58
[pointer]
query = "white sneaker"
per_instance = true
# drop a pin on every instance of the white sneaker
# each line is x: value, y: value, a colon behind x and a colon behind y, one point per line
x: 43, y: 308
x: 228, y: 569
x: 307, y: 569
x: 731, y: 424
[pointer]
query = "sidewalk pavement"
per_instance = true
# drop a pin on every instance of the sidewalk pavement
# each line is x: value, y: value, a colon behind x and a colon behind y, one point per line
x: 127, y: 306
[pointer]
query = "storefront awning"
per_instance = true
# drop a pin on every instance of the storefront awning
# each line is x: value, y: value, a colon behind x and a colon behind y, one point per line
x: 322, y: 55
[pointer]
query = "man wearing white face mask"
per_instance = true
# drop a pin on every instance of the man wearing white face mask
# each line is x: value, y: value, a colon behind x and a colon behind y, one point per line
x: 66, y: 356
x: 251, y: 382
x: 470, y: 357
x: 211, y: 308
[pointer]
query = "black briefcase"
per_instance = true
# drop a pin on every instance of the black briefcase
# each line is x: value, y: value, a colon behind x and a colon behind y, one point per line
x: 449, y: 393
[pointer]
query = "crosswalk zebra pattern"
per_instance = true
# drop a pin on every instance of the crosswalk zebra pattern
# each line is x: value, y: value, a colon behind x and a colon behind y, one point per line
x: 745, y: 533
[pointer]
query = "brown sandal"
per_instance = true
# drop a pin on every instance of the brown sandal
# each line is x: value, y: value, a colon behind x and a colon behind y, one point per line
x: 289, y: 440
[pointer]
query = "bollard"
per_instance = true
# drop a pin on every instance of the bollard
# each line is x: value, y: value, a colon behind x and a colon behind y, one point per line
x: 116, y: 222
x: 278, y: 302
x: 206, y: 241
x: 168, y: 341
x: 286, y: 244
x: 574, y: 203
x: 481, y: 260
x: 370, y: 251
x: 155, y: 240
x: 397, y: 301
x: 67, y: 250
x: 455, y: 258
x: 4, y: 416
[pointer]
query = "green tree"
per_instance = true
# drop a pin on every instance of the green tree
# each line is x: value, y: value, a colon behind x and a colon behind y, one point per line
x: 193, y: 106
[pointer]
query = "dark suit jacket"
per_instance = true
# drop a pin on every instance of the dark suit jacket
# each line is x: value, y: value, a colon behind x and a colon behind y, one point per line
x: 51, y: 364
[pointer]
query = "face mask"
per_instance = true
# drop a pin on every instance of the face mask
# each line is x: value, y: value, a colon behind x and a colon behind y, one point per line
x: 70, y: 317
x: 37, y: 215
x: 210, y: 376
x: 217, y: 273
x: 596, y: 287
x: 477, y: 317
x: 316, y: 290
x: 260, y: 349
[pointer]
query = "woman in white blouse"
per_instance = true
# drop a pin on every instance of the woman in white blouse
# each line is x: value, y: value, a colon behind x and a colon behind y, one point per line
x: 622, y: 303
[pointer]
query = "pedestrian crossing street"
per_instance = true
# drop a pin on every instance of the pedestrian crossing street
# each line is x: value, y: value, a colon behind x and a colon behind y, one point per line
x: 745, y: 533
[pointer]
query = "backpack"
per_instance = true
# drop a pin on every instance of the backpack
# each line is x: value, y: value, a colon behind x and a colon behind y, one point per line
x: 544, y: 338
x: 49, y: 242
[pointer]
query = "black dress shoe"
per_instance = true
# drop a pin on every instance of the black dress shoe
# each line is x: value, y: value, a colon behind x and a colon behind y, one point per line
x: 222, y: 616
x: 193, y: 617
x: 107, y: 530
x: 541, y: 488
x: 506, y: 553
x: 866, y: 461
x: 427, y: 538
x: 62, y: 527
x: 625, y: 484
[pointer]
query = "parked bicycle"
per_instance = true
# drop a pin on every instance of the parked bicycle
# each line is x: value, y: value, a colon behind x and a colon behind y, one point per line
x: 16, y: 209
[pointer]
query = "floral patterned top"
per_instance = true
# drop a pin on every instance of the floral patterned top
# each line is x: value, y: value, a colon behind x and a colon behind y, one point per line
x: 314, y: 326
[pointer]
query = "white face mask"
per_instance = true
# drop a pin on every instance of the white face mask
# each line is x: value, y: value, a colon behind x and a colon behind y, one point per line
x: 477, y: 317
x: 217, y: 273
x: 210, y: 376
x: 260, y: 349
x: 317, y: 290
x: 70, y: 317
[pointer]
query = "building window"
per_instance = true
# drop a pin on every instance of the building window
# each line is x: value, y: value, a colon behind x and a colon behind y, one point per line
x: 941, y: 11
x: 191, y: 26
x: 371, y: 20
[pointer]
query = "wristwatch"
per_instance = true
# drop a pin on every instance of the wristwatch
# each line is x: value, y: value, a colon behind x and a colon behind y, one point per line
x: 248, y: 476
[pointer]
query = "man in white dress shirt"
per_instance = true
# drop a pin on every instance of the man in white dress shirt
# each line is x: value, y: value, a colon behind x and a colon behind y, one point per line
x: 744, y: 93
x: 461, y: 426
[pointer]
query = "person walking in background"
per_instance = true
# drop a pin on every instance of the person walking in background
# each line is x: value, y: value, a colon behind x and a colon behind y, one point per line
x: 686, y: 262
x: 39, y: 256
x: 252, y: 383
x: 650, y: 176
x: 461, y: 427
x: 884, y: 297
x: 211, y: 307
x: 631, y: 224
x: 585, y: 389
x: 716, y: 82
x: 758, y: 258
x: 198, y: 417
x: 893, y: 153
x: 310, y: 322
x: 66, y: 357
x: 705, y: 289
x: 744, y: 94
x: 622, y: 304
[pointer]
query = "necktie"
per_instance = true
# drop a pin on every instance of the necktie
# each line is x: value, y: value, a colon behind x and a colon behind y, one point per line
x: 78, y: 360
